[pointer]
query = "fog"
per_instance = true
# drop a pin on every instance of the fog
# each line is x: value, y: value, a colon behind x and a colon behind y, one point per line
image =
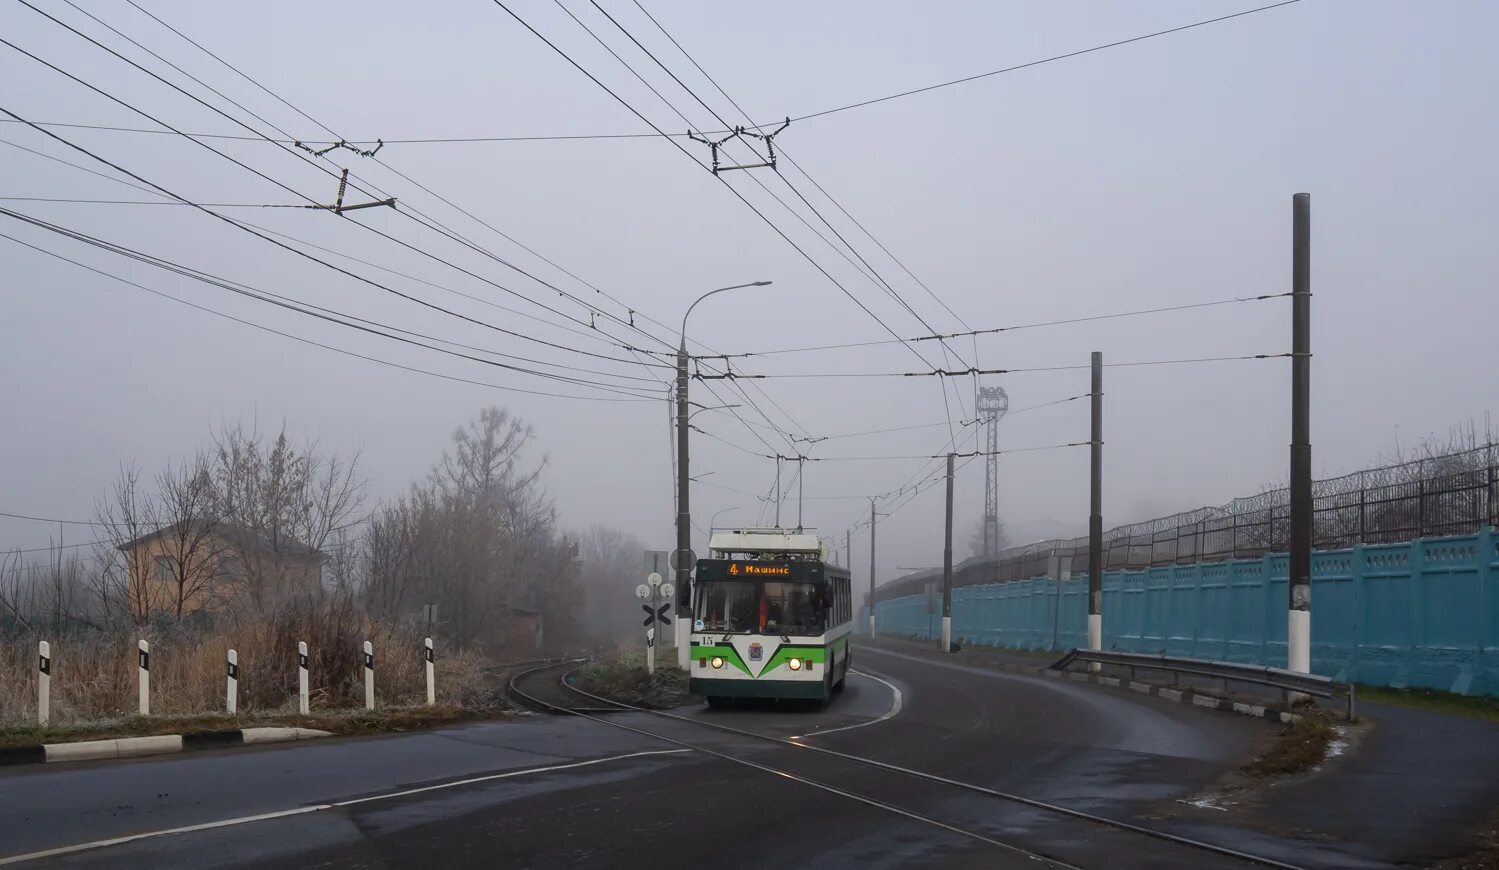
x: 1156, y: 174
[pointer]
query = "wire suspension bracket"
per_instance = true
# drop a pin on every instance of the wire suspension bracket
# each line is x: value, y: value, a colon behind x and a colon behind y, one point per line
x: 338, y: 206
x: 739, y: 133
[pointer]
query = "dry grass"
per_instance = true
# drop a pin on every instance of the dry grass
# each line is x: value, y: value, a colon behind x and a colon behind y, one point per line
x: 1301, y: 746
x: 623, y: 678
x: 94, y: 675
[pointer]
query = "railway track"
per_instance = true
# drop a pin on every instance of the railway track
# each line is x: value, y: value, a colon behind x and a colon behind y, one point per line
x: 559, y: 695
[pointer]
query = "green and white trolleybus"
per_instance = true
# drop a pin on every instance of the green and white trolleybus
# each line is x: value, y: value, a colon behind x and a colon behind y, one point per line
x: 771, y: 618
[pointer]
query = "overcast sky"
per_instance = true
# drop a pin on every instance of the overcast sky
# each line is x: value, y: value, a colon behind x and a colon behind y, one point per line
x: 1153, y: 174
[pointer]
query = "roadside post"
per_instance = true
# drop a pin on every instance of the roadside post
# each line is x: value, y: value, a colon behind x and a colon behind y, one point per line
x: 302, y: 677
x: 44, y: 684
x: 431, y: 677
x: 369, y: 676
x: 231, y: 690
x: 657, y: 598
x: 143, y: 681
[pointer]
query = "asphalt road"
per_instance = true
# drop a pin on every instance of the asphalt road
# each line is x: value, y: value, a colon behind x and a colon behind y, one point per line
x: 550, y: 792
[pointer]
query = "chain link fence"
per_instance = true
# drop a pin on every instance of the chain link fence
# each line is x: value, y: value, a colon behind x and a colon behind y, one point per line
x: 1450, y: 494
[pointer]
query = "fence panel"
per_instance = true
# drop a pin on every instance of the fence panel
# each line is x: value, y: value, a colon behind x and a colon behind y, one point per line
x: 1419, y: 614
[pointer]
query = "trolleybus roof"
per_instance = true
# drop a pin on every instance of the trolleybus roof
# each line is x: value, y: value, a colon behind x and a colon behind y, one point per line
x: 769, y: 541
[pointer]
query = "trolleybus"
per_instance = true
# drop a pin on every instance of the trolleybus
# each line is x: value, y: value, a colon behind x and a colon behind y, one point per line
x: 771, y: 618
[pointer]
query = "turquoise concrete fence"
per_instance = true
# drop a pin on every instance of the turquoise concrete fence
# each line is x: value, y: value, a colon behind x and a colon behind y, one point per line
x: 1422, y: 614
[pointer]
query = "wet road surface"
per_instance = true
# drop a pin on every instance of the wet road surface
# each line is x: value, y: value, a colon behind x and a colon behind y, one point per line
x: 555, y: 791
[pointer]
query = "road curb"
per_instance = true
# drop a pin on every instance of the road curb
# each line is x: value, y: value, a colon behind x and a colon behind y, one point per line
x: 1178, y: 694
x: 160, y: 744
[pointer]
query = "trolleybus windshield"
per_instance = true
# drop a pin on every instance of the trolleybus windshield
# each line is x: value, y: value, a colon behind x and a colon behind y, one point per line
x: 776, y: 607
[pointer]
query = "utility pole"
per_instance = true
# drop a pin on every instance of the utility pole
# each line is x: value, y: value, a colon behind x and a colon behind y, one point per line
x: 871, y: 568
x: 1299, y: 619
x: 947, y: 567
x: 1095, y: 511
x: 684, y: 515
x: 848, y: 550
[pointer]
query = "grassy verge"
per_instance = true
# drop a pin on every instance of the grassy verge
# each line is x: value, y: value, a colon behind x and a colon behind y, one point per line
x: 342, y: 722
x: 1430, y: 699
x: 1301, y: 746
x: 623, y: 678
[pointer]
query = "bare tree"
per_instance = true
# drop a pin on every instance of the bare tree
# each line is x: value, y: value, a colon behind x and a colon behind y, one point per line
x: 121, y: 585
x: 284, y: 502
x: 190, y: 547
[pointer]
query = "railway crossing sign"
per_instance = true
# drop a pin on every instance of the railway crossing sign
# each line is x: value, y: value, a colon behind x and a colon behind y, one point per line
x: 655, y: 614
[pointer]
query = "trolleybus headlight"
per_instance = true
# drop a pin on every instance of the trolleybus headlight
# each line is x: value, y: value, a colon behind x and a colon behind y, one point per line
x: 794, y: 664
x: 717, y: 661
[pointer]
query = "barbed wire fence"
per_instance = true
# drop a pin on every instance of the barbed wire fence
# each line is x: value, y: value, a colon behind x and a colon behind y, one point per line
x: 1453, y: 493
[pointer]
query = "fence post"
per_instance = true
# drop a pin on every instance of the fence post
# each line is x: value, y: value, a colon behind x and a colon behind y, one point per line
x: 369, y: 676
x: 44, y: 684
x: 302, y: 677
x: 143, y: 682
x: 431, y: 684
x: 231, y: 688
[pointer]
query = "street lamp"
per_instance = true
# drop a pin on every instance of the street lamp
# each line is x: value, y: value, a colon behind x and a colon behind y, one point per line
x: 684, y: 515
x: 714, y: 520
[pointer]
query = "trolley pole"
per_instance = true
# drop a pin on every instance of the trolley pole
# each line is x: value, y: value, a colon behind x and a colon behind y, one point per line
x: 1299, y: 621
x: 947, y: 567
x: 1095, y: 511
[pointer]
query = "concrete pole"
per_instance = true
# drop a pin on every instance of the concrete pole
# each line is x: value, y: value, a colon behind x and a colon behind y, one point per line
x: 871, y: 569
x: 1095, y: 511
x: 684, y: 516
x: 369, y: 676
x: 143, y: 681
x: 431, y: 672
x: 231, y: 684
x: 44, y: 684
x: 947, y: 567
x: 302, y: 677
x: 1299, y: 617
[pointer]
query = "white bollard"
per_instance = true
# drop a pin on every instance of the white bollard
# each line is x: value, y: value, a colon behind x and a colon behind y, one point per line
x: 369, y: 676
x: 431, y: 684
x: 231, y: 691
x: 302, y: 677
x: 44, y: 684
x: 144, y: 682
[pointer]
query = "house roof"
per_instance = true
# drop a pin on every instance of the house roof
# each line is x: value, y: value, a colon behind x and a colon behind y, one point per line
x: 241, y: 537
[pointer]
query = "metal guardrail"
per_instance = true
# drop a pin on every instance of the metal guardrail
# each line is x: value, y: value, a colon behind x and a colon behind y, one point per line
x: 1278, y: 678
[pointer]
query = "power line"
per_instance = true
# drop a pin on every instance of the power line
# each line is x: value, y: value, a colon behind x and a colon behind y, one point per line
x: 1046, y: 60
x: 688, y: 154
x: 470, y: 215
x: 417, y: 217
x: 805, y: 117
x: 148, y: 202
x: 873, y: 273
x: 327, y: 314
x: 304, y: 254
x: 313, y: 343
x: 964, y: 373
x: 998, y: 329
x: 56, y: 520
